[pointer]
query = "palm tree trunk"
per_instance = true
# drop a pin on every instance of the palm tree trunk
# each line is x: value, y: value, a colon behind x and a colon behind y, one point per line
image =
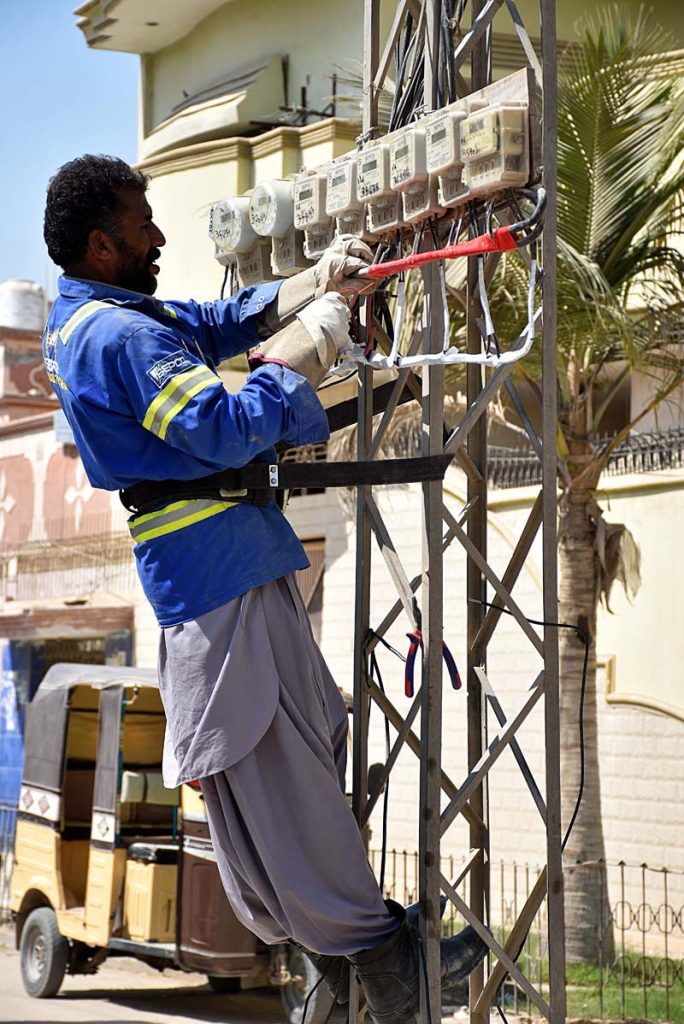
x: 588, y: 929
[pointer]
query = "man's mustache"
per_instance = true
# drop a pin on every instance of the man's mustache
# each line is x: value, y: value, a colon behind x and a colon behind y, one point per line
x: 153, y: 257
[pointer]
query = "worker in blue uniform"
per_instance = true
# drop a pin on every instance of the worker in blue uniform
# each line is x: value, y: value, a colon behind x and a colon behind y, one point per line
x: 251, y: 708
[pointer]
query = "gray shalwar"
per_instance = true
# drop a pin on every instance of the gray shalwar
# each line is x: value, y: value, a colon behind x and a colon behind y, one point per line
x: 253, y: 712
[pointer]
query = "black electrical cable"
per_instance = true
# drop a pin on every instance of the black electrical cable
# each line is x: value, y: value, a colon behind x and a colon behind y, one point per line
x: 223, y: 283
x: 375, y: 671
x: 585, y: 638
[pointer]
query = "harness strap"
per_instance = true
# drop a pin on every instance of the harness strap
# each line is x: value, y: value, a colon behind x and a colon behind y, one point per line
x: 257, y: 481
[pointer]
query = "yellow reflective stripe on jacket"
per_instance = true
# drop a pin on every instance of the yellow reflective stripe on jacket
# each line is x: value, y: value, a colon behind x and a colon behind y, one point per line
x: 175, y: 396
x: 81, y: 314
x: 175, y: 516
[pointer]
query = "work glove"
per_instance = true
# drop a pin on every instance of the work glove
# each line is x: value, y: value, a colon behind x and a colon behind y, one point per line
x: 333, y: 273
x: 311, y: 344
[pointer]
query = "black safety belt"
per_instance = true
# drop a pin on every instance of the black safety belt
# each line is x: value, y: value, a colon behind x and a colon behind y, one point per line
x: 258, y: 481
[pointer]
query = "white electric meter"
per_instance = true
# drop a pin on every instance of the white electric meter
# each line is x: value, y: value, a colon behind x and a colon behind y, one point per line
x: 271, y: 208
x: 408, y: 166
x: 254, y: 267
x: 230, y: 229
x: 309, y: 202
x: 341, y: 201
x: 287, y: 254
x: 443, y: 144
x: 421, y: 203
x: 495, y: 149
x: 373, y: 176
x: 381, y: 219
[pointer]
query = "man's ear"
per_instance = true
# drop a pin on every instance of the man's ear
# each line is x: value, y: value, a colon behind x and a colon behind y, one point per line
x: 101, y: 246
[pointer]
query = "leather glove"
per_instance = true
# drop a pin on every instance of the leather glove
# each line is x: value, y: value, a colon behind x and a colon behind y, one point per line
x: 332, y: 273
x: 312, y: 342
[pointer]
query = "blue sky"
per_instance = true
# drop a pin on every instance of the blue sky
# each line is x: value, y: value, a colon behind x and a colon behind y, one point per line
x: 58, y: 99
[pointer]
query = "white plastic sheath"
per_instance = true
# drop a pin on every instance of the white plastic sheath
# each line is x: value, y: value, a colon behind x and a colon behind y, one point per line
x: 451, y: 355
x: 484, y: 301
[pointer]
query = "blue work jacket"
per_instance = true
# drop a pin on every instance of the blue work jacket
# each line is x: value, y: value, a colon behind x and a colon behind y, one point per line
x: 136, y: 380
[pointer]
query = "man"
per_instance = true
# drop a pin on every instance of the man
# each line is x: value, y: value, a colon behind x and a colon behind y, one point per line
x: 252, y: 710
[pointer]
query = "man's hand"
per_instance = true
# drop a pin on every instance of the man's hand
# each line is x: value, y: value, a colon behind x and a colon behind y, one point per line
x: 333, y: 273
x: 336, y: 267
x: 312, y: 342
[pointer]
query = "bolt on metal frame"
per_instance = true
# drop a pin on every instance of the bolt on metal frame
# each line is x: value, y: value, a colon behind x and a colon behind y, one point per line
x: 468, y: 442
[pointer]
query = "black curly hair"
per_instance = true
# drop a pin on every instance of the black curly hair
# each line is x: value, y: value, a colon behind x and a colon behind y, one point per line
x: 84, y: 195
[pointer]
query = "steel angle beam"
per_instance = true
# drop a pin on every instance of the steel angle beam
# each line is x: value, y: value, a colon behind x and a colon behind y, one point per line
x: 395, y: 718
x: 492, y: 753
x: 419, y: 729
x: 525, y: 769
x: 498, y: 950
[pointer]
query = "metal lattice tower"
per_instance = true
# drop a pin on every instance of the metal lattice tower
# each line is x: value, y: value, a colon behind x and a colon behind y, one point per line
x: 443, y: 799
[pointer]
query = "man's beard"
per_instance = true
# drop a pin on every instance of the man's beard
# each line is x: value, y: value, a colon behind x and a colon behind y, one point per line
x: 134, y: 271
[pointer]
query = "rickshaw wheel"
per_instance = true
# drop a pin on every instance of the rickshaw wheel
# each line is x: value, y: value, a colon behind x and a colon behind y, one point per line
x: 43, y: 954
x: 306, y: 985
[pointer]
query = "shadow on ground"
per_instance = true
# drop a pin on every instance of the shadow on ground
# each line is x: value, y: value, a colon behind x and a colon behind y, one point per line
x: 203, y: 1006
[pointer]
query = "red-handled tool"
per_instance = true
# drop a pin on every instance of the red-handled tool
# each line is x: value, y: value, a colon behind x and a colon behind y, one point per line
x: 416, y: 642
x: 503, y: 239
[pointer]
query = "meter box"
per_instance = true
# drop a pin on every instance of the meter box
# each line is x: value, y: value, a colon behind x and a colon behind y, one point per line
x: 309, y: 202
x: 341, y: 200
x: 310, y: 215
x: 254, y: 267
x: 271, y: 208
x: 381, y: 219
x: 423, y: 203
x: 287, y: 254
x: 408, y: 163
x: 373, y: 183
x: 495, y: 149
x: 443, y: 145
x: 230, y: 229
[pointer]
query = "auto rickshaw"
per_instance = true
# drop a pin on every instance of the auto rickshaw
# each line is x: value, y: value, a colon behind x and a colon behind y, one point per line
x: 108, y: 862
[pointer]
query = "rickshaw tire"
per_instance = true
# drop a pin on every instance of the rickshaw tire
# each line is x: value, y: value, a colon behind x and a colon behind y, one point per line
x: 43, y: 954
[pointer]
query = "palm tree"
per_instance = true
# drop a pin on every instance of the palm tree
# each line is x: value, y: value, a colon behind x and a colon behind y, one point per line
x: 621, y: 182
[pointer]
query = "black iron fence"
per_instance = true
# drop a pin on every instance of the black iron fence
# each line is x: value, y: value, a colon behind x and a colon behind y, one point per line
x: 647, y: 452
x: 639, y: 972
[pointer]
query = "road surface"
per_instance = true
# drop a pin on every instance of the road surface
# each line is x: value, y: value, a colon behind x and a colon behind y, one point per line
x: 125, y: 991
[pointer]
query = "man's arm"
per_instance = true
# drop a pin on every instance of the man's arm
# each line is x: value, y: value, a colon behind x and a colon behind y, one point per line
x: 231, y: 326
x: 191, y: 410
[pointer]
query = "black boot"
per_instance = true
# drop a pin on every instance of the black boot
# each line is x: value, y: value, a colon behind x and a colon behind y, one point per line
x: 390, y: 972
x: 335, y: 969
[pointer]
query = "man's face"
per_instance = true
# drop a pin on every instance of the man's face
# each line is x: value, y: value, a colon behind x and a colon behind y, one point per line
x: 138, y: 241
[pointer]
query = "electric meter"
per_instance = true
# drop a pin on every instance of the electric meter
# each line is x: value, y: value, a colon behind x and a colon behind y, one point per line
x: 381, y: 219
x: 373, y: 176
x: 230, y: 229
x: 423, y: 203
x: 309, y: 214
x: 341, y: 201
x: 495, y: 149
x: 271, y: 208
x: 254, y: 267
x: 408, y: 167
x: 443, y: 144
x: 287, y: 254
x: 309, y: 202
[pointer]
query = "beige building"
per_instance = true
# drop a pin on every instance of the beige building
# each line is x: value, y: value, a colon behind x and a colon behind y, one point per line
x: 214, y: 76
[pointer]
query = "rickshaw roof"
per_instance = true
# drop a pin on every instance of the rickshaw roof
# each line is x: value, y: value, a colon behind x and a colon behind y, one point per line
x: 66, y: 675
